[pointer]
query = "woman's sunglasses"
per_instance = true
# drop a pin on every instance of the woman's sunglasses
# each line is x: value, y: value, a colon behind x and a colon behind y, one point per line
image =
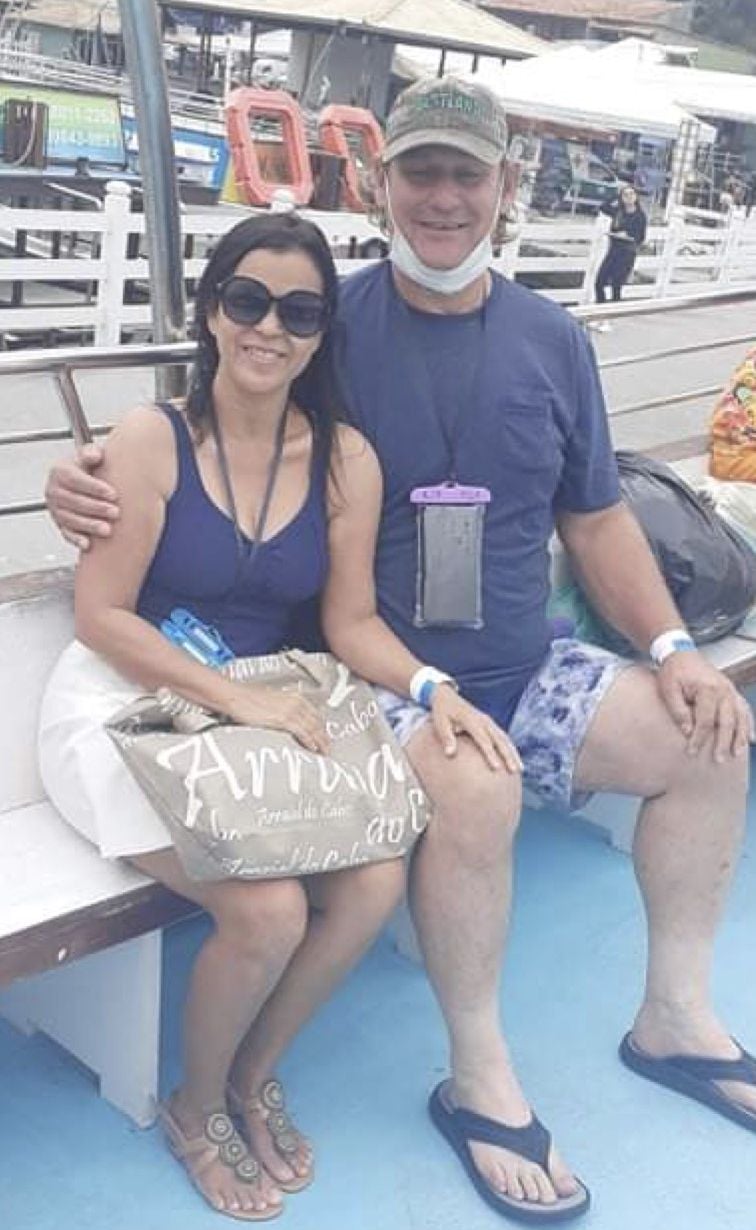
x: 303, y: 313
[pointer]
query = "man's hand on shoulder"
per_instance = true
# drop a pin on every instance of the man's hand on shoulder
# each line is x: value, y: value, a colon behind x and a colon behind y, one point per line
x: 81, y: 505
x: 705, y: 705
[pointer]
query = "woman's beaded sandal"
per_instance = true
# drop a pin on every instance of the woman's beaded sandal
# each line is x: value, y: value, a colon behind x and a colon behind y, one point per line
x: 219, y: 1141
x: 269, y: 1104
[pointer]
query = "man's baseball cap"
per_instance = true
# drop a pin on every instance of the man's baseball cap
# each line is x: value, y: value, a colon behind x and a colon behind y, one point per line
x: 447, y: 111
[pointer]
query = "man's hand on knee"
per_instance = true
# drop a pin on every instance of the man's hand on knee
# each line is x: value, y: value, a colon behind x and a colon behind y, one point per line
x: 81, y: 505
x: 705, y: 705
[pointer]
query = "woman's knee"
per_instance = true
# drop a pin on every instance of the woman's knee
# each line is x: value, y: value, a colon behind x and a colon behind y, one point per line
x: 264, y: 917
x: 371, y: 892
x: 379, y: 887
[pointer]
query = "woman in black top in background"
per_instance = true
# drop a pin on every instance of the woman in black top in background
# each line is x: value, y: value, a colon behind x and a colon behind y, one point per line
x: 626, y: 234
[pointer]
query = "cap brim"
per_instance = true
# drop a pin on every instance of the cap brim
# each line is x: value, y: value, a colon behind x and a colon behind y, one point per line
x: 476, y: 147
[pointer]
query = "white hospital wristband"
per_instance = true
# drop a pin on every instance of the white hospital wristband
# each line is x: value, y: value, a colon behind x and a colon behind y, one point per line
x: 424, y: 683
x: 663, y: 646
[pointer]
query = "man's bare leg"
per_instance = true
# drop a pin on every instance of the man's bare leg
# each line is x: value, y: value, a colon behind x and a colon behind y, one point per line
x: 460, y: 894
x: 686, y: 846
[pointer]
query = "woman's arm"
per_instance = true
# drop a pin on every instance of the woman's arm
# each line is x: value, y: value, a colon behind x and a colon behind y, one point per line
x: 356, y: 632
x: 139, y: 458
x: 140, y: 462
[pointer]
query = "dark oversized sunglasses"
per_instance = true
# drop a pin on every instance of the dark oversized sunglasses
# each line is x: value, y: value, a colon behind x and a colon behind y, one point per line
x: 303, y: 313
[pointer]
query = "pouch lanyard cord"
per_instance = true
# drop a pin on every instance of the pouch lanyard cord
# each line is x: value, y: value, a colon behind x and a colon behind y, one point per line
x: 451, y: 432
x: 273, y: 468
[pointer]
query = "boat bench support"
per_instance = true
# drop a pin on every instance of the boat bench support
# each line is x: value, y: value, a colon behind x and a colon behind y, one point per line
x: 80, y: 937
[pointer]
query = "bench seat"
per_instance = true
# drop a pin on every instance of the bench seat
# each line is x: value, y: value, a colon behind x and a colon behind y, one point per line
x: 80, y: 953
x: 80, y: 937
x: 61, y: 901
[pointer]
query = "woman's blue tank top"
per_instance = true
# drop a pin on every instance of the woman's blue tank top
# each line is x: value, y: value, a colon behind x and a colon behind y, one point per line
x: 197, y: 563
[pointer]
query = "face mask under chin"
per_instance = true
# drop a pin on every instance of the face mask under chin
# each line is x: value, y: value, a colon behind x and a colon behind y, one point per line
x: 441, y: 281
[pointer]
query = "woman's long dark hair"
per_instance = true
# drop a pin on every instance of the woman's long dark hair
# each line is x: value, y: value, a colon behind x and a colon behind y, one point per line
x: 318, y: 390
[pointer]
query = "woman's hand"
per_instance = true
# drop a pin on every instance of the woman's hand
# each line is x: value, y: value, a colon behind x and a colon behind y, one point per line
x: 452, y: 716
x: 257, y: 705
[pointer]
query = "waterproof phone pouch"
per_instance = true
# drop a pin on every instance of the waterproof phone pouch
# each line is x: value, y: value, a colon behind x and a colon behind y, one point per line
x: 448, y: 590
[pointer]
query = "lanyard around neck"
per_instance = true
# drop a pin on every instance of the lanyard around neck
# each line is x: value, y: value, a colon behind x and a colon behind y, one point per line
x: 273, y: 468
x: 450, y: 432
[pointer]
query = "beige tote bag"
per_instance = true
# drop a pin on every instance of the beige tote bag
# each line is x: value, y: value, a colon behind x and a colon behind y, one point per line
x: 251, y: 802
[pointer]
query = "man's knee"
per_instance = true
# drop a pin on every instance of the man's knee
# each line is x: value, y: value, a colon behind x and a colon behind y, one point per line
x: 633, y: 745
x: 702, y: 773
x: 476, y: 810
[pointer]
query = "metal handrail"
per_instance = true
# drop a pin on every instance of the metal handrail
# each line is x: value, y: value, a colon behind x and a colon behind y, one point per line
x: 60, y: 363
x: 627, y: 360
x: 652, y: 307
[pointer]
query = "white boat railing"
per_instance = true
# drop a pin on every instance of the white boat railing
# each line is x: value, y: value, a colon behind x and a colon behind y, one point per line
x: 87, y: 269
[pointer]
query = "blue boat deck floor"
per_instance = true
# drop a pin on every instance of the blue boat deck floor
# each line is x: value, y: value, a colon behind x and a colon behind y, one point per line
x: 359, y: 1075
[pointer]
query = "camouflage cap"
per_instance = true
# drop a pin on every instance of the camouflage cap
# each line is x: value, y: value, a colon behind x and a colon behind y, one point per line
x: 447, y: 111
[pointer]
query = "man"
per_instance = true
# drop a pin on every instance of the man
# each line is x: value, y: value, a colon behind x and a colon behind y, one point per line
x: 460, y: 377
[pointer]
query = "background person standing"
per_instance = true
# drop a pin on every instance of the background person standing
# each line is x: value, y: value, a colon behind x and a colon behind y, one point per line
x: 626, y: 235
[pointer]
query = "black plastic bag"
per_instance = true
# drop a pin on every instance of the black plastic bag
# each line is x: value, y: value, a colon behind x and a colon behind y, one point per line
x: 709, y: 569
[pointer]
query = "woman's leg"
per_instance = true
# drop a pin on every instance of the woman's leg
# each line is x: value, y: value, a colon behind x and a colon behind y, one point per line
x: 258, y: 926
x: 623, y: 267
x: 602, y: 280
x: 348, y: 909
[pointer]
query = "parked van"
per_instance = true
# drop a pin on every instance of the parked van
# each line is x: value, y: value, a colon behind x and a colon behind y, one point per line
x: 571, y: 176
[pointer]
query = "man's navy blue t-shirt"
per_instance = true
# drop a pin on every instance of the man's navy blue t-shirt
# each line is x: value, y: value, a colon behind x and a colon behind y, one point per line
x: 516, y: 386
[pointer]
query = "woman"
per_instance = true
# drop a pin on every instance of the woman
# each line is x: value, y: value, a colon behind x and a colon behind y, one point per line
x: 627, y: 233
x: 229, y: 509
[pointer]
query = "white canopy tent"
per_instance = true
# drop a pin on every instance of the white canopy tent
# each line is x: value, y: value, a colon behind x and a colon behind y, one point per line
x: 571, y: 85
x: 720, y: 95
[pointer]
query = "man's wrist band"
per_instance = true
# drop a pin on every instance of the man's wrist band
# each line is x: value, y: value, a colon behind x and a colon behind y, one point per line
x: 424, y: 683
x: 675, y: 641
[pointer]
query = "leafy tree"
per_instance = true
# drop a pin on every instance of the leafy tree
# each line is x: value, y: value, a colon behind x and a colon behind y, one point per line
x: 727, y: 21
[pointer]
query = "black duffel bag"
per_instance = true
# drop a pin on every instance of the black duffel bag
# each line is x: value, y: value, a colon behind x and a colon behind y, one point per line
x: 709, y: 569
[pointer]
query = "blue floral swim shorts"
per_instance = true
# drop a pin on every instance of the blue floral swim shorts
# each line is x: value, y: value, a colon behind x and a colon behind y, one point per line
x: 550, y: 721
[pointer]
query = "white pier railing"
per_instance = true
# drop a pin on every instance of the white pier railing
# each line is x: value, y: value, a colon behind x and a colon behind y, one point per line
x: 87, y: 269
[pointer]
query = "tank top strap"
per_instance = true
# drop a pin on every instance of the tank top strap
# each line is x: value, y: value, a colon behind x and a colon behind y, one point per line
x: 188, y: 472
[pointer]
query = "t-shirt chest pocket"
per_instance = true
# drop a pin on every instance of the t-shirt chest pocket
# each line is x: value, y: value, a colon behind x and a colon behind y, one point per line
x: 530, y: 456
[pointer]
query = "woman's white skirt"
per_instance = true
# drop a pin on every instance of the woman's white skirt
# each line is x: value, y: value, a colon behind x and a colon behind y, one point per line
x: 81, y: 769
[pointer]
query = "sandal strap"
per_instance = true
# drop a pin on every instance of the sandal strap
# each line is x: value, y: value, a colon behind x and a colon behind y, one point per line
x: 219, y: 1141
x: 269, y: 1102
x: 742, y: 1068
x: 532, y: 1141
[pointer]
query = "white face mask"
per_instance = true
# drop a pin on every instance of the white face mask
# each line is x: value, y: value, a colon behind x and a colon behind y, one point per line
x: 440, y: 281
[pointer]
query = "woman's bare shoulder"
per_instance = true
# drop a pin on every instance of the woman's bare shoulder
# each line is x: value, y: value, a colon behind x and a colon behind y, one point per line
x: 142, y: 441
x: 353, y: 446
x: 143, y: 423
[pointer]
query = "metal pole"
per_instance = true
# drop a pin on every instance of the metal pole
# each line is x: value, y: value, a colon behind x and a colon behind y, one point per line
x: 146, y: 67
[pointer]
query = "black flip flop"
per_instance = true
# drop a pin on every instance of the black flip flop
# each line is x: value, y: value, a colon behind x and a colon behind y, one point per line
x: 533, y: 1142
x: 696, y: 1077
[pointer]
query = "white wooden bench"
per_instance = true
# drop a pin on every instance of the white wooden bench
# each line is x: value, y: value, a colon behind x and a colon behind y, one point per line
x: 80, y: 939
